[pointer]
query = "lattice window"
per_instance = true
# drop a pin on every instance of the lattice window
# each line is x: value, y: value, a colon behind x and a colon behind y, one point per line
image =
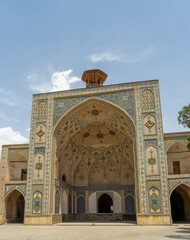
x: 80, y: 205
x: 70, y: 204
x: 57, y: 202
x: 129, y: 204
x: 147, y: 99
x: 42, y: 109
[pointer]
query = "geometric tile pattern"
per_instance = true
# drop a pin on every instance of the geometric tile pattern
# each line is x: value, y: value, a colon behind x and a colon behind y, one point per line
x: 115, y: 153
x: 154, y: 200
x: 152, y: 142
x: 161, y: 153
x: 147, y: 99
x: 42, y: 109
x: 49, y: 167
x: 37, y: 202
x: 149, y: 124
x: 39, y: 150
x: 123, y: 99
x: 29, y: 195
x: 40, y: 133
x: 140, y: 155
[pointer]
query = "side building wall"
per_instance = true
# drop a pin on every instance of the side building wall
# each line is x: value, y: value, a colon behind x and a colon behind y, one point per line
x: 13, y: 162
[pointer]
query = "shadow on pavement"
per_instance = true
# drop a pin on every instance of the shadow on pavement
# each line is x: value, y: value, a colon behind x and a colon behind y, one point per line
x: 183, y: 233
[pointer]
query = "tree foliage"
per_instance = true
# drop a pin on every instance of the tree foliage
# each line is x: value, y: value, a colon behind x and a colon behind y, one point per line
x: 184, y: 116
x: 184, y: 119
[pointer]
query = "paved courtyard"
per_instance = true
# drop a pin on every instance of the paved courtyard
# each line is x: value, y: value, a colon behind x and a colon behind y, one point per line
x: 97, y: 231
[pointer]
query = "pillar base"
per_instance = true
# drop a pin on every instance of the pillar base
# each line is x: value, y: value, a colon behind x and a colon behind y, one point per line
x: 153, y: 219
x: 42, y: 220
x: 1, y: 219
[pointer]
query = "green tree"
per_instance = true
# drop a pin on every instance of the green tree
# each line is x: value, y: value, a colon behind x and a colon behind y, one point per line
x: 184, y: 119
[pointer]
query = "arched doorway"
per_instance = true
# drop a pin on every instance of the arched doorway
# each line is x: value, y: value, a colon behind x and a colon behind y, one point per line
x: 180, y: 202
x: 177, y: 206
x: 15, y: 204
x: 105, y: 204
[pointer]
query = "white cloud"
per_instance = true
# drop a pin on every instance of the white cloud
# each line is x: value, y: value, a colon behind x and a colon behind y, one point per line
x: 128, y: 58
x: 10, y: 136
x: 105, y: 56
x: 59, y: 81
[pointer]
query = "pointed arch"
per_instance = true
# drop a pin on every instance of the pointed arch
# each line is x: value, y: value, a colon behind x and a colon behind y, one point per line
x: 178, y: 156
x: 15, y: 204
x: 88, y: 101
x: 173, y: 143
x: 17, y: 157
x: 180, y: 184
x: 180, y: 202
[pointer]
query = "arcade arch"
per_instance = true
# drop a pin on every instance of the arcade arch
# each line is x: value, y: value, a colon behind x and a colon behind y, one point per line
x: 15, y: 204
x: 180, y: 202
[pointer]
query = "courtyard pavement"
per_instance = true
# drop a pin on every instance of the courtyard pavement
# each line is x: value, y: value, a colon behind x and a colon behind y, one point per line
x: 94, y: 231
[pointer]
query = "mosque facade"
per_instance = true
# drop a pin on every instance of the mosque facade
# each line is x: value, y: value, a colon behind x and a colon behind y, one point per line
x: 97, y: 154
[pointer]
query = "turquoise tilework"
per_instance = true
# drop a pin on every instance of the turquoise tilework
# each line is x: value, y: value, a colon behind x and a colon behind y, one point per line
x: 124, y: 99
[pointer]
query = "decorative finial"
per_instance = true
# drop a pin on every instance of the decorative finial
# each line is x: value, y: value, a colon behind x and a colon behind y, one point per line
x: 94, y: 78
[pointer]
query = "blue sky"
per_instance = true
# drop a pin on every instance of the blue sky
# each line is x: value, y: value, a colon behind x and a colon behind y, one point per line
x: 46, y: 45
